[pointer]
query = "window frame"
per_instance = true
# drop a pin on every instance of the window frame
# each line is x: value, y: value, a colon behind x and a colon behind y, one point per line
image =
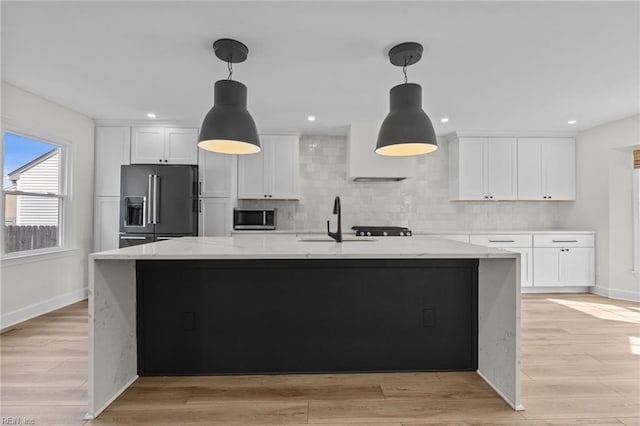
x: 64, y: 193
x: 636, y: 222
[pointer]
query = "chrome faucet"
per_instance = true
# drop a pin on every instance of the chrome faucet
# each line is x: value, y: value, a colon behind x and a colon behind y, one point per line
x: 336, y: 210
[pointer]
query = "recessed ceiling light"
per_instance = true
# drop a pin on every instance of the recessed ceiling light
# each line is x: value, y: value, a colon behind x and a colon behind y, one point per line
x: 311, y: 118
x: 444, y: 120
x: 571, y: 122
x: 151, y: 115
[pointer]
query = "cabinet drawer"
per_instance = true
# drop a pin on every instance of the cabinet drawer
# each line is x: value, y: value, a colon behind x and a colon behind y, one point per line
x: 502, y: 240
x: 563, y: 240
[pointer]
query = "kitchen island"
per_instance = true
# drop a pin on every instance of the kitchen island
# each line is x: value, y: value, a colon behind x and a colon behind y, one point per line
x: 277, y: 304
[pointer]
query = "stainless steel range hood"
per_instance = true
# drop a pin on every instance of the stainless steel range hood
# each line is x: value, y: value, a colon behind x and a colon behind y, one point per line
x: 364, y: 165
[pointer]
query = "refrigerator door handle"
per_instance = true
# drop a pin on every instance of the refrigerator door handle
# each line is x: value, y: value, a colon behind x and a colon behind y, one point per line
x: 150, y: 200
x: 156, y: 182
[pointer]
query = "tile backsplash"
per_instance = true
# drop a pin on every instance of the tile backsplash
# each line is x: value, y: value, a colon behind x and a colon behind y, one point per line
x: 420, y: 203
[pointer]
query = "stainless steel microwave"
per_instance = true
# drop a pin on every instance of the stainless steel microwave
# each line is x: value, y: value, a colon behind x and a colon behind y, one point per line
x: 246, y: 219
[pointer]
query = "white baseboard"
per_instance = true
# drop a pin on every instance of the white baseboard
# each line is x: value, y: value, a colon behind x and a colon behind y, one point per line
x: 556, y: 289
x: 39, y: 308
x: 614, y: 293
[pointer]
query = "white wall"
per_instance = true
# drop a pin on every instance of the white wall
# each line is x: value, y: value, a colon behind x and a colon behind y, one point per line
x: 604, y: 202
x: 30, y: 287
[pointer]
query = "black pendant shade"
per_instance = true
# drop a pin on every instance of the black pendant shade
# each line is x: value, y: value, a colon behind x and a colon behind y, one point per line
x: 228, y: 128
x: 406, y: 130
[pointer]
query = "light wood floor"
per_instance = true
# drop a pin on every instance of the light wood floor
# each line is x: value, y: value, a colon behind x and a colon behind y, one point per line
x: 580, y: 366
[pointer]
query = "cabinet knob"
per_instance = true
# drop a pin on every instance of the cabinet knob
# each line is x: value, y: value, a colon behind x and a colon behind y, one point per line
x: 491, y: 196
x: 549, y: 196
x: 160, y: 161
x: 270, y: 195
x: 485, y: 197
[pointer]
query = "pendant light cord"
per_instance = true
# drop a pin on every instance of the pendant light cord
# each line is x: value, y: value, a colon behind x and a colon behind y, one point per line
x: 230, y: 68
x: 404, y: 67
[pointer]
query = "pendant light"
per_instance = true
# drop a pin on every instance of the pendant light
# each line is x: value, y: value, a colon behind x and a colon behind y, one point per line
x: 406, y: 130
x: 228, y: 127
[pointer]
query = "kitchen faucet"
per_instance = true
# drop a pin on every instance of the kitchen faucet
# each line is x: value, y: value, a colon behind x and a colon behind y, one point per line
x: 336, y: 210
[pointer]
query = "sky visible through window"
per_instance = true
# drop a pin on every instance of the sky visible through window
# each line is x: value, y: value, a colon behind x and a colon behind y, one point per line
x: 19, y: 151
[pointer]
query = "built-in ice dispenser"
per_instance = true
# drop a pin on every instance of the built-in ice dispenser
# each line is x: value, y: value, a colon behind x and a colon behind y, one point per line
x: 134, y: 211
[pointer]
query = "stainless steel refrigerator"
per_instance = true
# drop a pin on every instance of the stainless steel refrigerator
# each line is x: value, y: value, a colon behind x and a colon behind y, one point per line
x: 157, y: 203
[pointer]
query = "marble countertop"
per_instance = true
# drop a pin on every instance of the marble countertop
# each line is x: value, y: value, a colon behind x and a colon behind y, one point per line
x: 290, y: 247
x: 499, y: 231
x: 419, y: 232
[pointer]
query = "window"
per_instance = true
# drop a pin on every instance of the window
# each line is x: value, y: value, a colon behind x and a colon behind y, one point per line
x: 33, y: 194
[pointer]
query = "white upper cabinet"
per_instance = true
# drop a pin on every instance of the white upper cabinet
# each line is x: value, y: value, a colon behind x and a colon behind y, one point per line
x: 216, y: 174
x: 147, y: 145
x: 272, y: 173
x: 483, y: 169
x: 158, y: 145
x: 112, y: 151
x: 181, y: 146
x: 546, y: 169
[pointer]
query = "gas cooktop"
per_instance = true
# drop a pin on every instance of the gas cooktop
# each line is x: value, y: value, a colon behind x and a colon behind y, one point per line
x: 381, y: 231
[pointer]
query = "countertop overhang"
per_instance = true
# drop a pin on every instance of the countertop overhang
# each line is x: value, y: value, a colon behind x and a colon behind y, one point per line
x: 290, y: 247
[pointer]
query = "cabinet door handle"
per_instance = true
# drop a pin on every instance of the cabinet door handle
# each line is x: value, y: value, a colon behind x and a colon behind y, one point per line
x: 501, y: 241
x: 564, y: 241
x: 132, y: 238
x: 199, y: 206
x: 200, y: 188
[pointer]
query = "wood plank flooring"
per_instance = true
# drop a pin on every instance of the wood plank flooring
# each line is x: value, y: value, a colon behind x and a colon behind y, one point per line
x: 580, y: 366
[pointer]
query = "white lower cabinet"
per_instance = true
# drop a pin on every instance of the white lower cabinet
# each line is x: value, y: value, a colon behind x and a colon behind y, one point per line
x: 560, y: 267
x: 564, y: 260
x: 106, y: 225
x: 519, y: 243
x: 548, y: 260
x: 526, y: 265
x: 214, y: 217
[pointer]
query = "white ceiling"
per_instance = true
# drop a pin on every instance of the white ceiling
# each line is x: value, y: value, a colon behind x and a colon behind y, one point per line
x: 495, y: 67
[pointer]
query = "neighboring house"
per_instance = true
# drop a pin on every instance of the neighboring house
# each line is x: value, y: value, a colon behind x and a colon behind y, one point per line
x: 40, y: 175
x: 10, y: 206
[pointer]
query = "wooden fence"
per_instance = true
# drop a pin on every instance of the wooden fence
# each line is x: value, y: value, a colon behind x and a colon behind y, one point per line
x: 19, y: 238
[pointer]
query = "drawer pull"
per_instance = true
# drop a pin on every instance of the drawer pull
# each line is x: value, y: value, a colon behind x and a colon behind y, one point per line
x: 501, y: 241
x: 565, y: 241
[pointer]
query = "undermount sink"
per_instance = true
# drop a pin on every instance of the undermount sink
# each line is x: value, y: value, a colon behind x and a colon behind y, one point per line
x: 327, y: 239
